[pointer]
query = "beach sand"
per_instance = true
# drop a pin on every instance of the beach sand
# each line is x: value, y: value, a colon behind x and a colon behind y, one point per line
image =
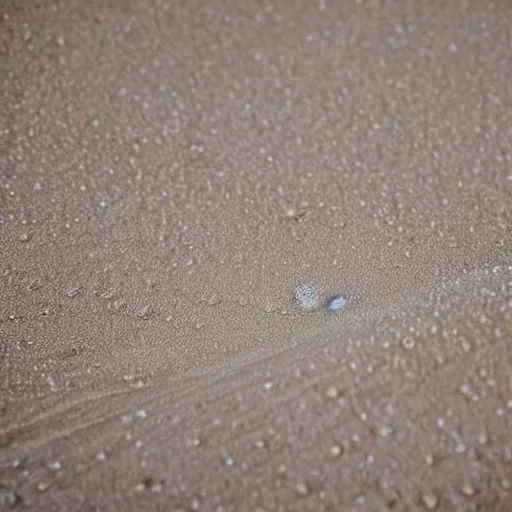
x: 170, y: 173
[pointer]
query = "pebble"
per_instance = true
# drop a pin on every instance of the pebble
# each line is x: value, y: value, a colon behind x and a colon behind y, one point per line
x: 302, y: 489
x: 156, y: 488
x: 331, y: 392
x: 101, y: 456
x: 335, y: 450
x: 460, y: 448
x: 336, y: 303
x: 468, y: 490
x: 385, y: 431
x: 55, y: 466
x: 43, y: 486
x: 430, y: 500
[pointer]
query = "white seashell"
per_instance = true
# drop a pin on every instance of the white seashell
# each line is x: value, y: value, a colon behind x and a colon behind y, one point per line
x: 306, y: 296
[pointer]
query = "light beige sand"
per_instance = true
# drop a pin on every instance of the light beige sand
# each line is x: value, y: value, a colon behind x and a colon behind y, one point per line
x: 171, y: 171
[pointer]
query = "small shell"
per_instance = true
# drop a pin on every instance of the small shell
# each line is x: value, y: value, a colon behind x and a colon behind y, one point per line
x: 306, y: 296
x: 336, y: 303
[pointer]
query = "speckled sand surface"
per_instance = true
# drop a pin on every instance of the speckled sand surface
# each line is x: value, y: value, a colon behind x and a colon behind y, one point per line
x: 170, y: 172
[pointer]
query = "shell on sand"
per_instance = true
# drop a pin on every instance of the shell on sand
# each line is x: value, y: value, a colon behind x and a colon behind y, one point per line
x: 306, y: 296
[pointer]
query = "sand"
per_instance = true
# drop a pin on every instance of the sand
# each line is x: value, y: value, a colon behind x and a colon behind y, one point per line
x: 170, y: 173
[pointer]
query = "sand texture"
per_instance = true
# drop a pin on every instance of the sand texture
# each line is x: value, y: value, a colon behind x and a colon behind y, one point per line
x: 171, y: 172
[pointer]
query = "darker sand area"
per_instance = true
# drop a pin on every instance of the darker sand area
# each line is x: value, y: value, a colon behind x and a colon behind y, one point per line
x: 170, y: 172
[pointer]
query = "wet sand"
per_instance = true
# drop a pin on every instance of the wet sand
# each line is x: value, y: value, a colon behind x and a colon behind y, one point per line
x: 171, y: 172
